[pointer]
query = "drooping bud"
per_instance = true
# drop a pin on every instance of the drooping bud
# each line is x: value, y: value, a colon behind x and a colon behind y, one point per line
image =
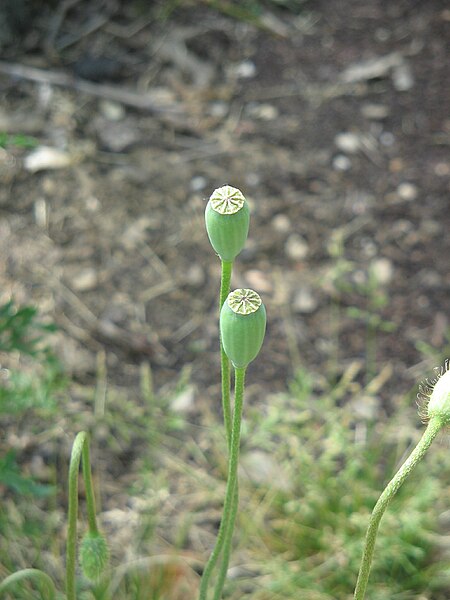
x: 242, y: 326
x: 439, y: 403
x: 94, y: 555
x: 227, y: 220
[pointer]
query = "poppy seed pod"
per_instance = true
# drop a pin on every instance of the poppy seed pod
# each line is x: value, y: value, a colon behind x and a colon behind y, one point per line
x: 227, y: 220
x: 242, y: 326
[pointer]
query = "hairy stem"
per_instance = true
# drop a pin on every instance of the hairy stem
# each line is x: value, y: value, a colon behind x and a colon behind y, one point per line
x: 231, y: 496
x: 433, y: 428
x: 43, y: 581
x: 80, y: 451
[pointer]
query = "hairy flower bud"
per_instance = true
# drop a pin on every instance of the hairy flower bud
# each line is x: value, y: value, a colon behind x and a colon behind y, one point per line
x: 242, y: 326
x: 94, y: 555
x: 439, y: 403
x: 227, y: 220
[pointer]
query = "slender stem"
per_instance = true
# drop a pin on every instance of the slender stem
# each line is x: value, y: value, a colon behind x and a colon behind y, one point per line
x: 224, y: 362
x: 80, y: 450
x: 433, y: 428
x: 232, y: 496
x: 44, y: 582
x: 90, y: 497
x: 225, y: 280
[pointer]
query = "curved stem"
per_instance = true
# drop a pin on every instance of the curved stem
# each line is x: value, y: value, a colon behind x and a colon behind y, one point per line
x: 433, y: 428
x: 44, y: 582
x: 80, y: 450
x: 232, y: 497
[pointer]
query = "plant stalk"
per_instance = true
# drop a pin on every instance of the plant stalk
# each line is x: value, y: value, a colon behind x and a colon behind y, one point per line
x: 225, y: 280
x: 433, y: 428
x: 80, y: 451
x: 43, y: 581
x: 232, y: 495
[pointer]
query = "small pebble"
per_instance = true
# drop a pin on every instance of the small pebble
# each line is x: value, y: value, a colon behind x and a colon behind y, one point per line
x: 402, y: 78
x: 387, y: 138
x: 85, y: 280
x: 218, y: 109
x: 245, y: 69
x: 375, y: 112
x: 341, y: 163
x: 113, y: 111
x: 45, y: 157
x: 184, y: 402
x: 348, y: 142
x: 198, y: 183
x: 304, y: 301
x: 383, y: 270
x: 281, y: 223
x: 264, y: 112
x: 407, y: 191
x: 442, y: 169
x: 195, y: 275
x: 296, y: 247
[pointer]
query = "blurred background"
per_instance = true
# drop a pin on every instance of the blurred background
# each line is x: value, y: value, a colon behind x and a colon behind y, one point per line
x: 117, y: 121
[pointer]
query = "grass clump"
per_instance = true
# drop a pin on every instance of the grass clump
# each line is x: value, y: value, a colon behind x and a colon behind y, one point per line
x: 332, y: 464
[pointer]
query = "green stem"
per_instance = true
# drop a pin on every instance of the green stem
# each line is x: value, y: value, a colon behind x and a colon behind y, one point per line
x: 80, y: 450
x: 231, y: 497
x: 433, y: 428
x: 231, y: 494
x: 225, y: 280
x: 44, y: 582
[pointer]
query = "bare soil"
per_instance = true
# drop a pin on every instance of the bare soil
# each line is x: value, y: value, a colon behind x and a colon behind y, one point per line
x: 333, y: 121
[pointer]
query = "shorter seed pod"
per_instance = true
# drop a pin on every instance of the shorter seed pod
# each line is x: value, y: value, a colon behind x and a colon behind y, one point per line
x: 242, y: 326
x: 93, y: 555
x: 227, y: 220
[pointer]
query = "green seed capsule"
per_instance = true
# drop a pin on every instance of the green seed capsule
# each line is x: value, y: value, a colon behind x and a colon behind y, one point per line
x: 242, y: 326
x: 227, y: 220
x: 94, y: 555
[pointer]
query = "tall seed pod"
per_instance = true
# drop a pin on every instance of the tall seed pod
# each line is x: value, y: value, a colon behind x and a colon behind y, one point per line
x: 227, y: 220
x: 242, y: 326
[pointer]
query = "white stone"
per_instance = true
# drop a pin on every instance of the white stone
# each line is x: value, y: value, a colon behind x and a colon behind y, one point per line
x: 184, y: 402
x: 341, y: 163
x: 113, y: 111
x: 281, y: 223
x: 296, y: 247
x: 304, y: 301
x: 402, y: 78
x: 85, y: 280
x: 383, y: 270
x: 407, y: 191
x: 348, y: 142
x: 45, y: 157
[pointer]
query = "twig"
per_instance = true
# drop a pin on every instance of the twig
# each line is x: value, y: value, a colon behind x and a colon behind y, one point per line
x: 109, y: 92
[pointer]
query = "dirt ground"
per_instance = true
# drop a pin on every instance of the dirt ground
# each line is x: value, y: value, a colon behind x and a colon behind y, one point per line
x: 332, y: 118
x: 334, y: 126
